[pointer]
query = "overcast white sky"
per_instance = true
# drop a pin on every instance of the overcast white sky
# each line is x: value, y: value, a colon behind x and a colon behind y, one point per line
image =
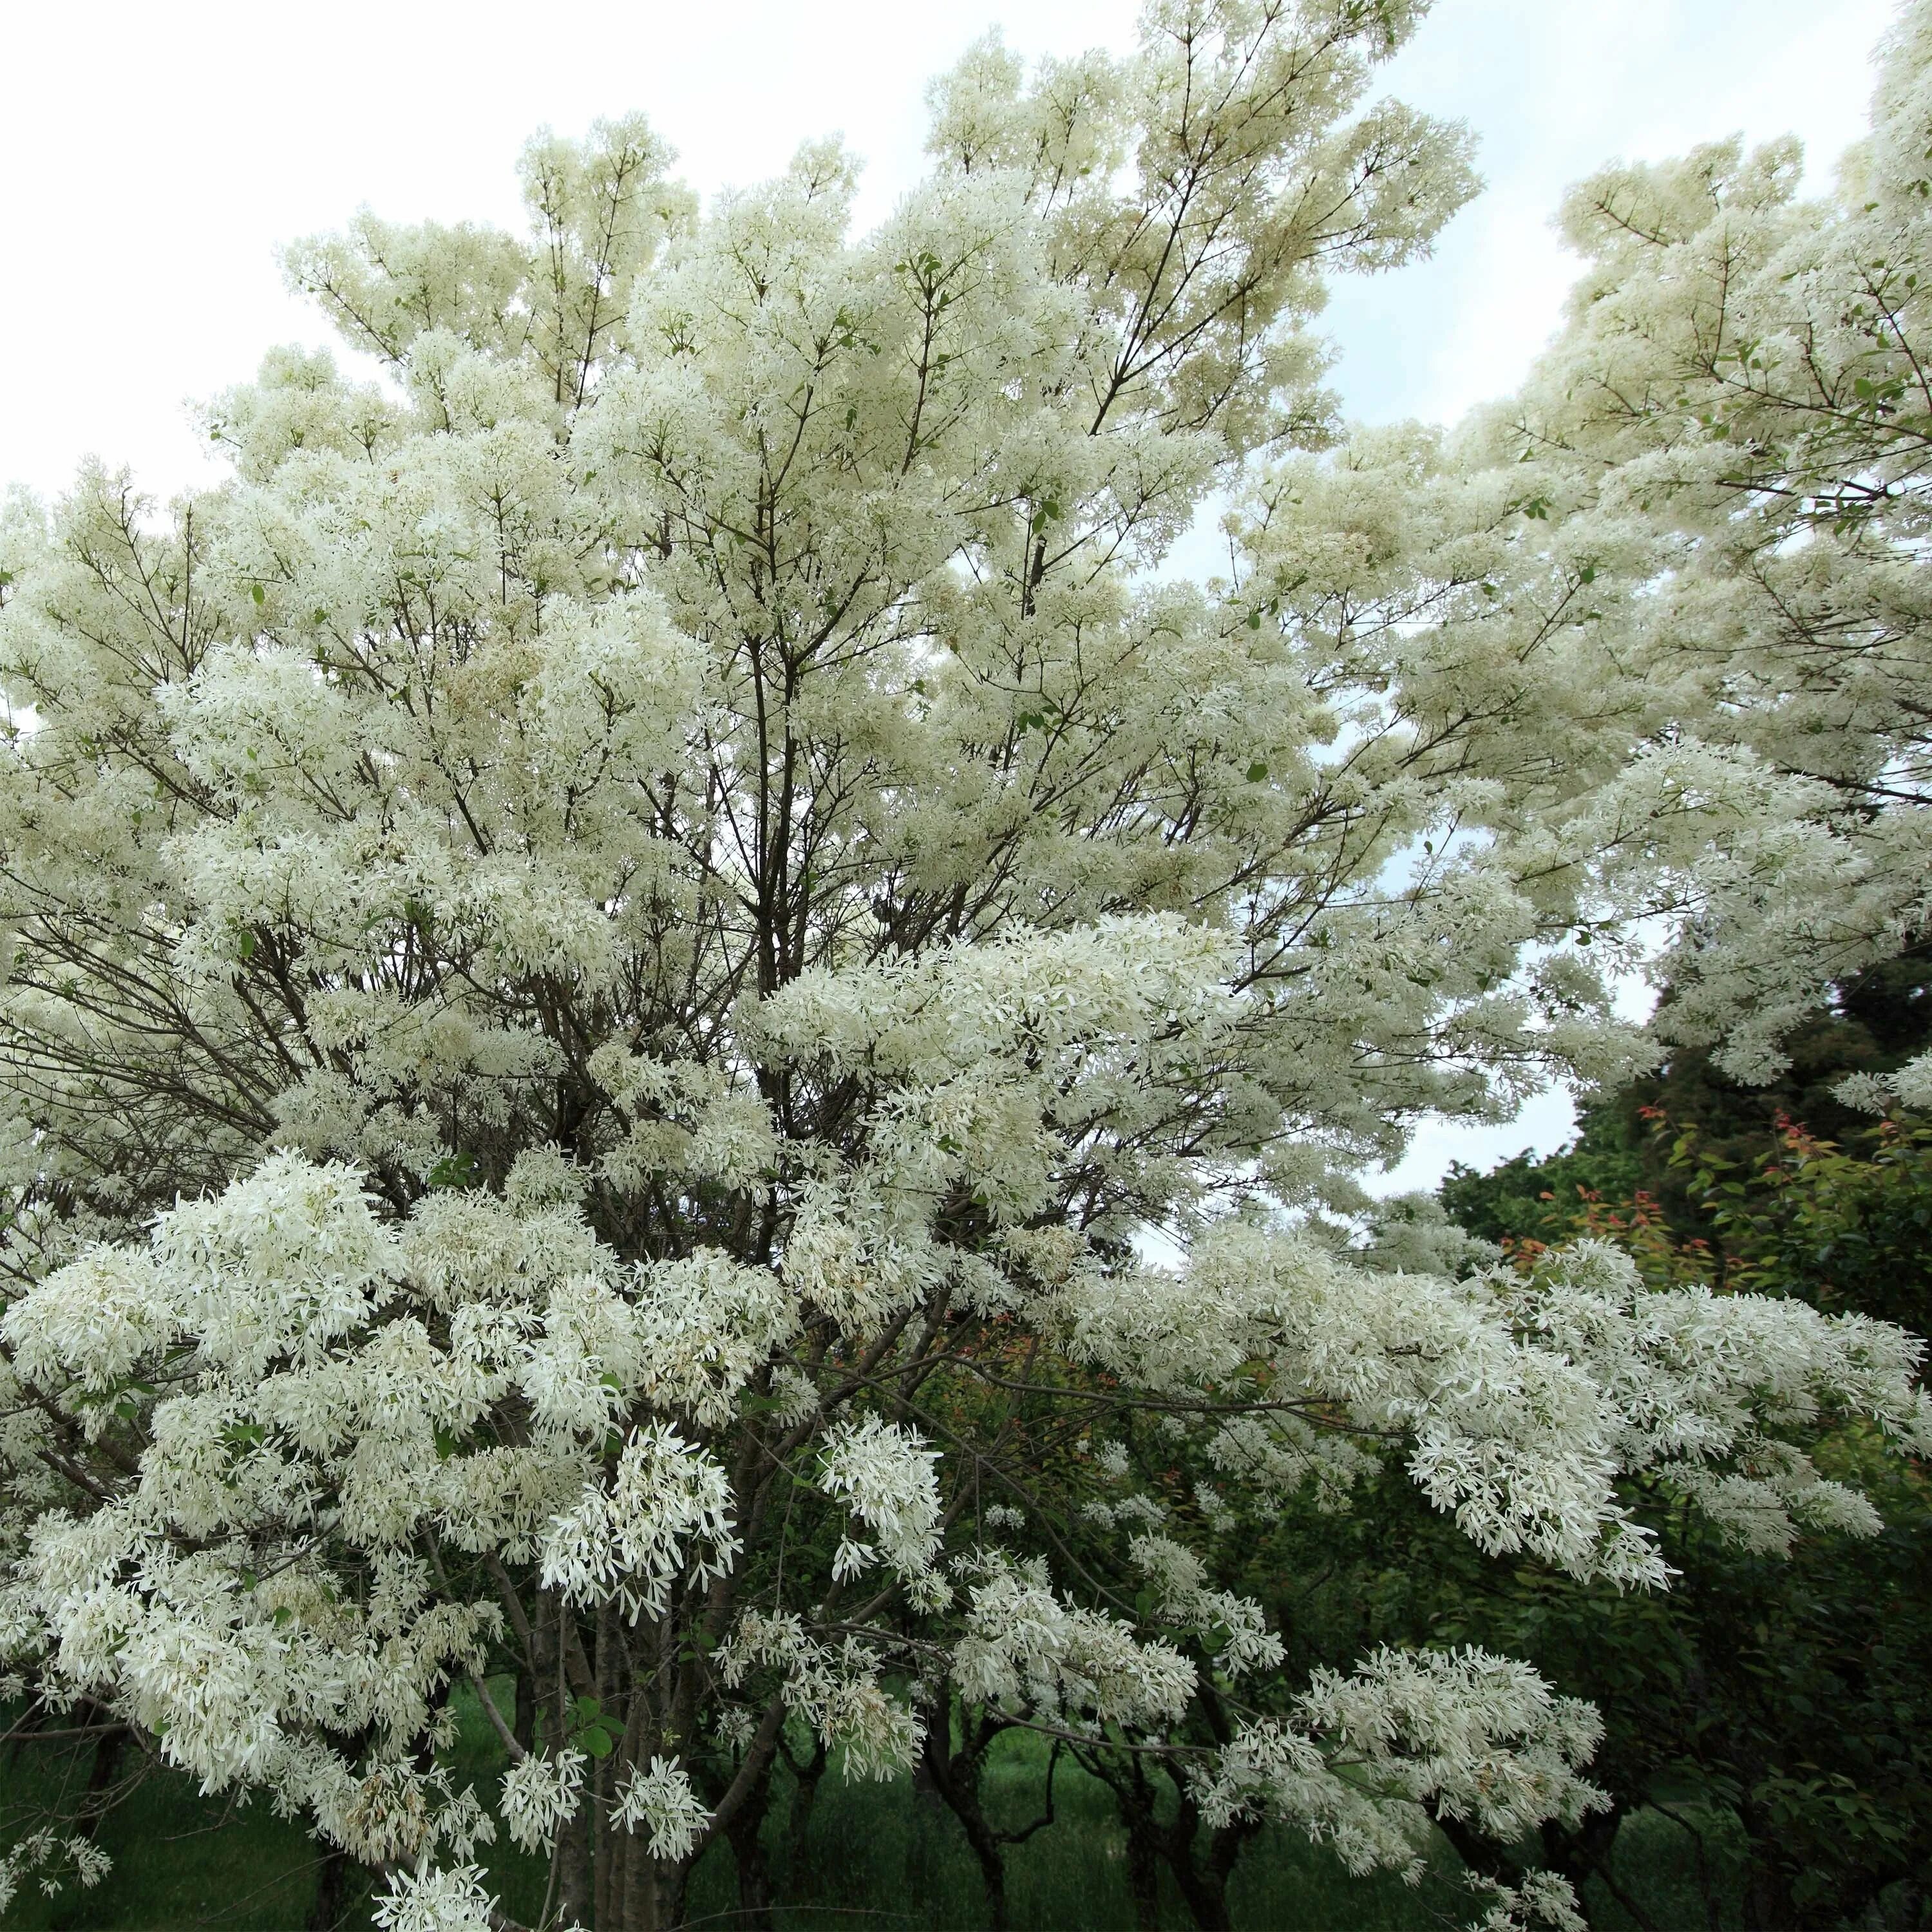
x: 155, y: 156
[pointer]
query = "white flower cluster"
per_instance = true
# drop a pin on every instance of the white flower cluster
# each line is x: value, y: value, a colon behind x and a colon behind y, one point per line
x: 660, y: 1799
x: 1909, y: 1085
x: 1028, y: 1649
x: 885, y: 1472
x: 1244, y: 1642
x: 1282, y: 1454
x: 665, y: 1515
x: 1523, y: 1400
x: 1539, y: 1901
x: 1476, y: 1736
x: 430, y: 1899
x: 996, y: 1064
x: 704, y: 1325
x: 541, y: 1791
x: 835, y: 1690
x: 54, y: 1858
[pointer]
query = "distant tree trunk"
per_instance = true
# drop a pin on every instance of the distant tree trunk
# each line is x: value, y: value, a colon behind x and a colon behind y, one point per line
x: 1134, y: 1802
x: 575, y: 1899
x: 927, y: 1802
x: 32, y: 1720
x: 1588, y: 1851
x: 799, y: 1872
x: 1202, y: 1878
x: 1203, y: 1881
x: 331, y: 1891
x: 576, y: 1903
x: 523, y: 1724
x: 1767, y: 1903
x: 1144, y: 1878
x: 608, y: 1851
x: 1770, y: 1871
x: 109, y: 1751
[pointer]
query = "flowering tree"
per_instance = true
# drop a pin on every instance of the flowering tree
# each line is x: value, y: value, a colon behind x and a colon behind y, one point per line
x: 1719, y: 472
x: 613, y: 950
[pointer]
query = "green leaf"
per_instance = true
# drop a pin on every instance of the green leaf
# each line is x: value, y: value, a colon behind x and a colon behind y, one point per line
x: 1257, y: 771
x: 597, y: 1741
x: 260, y: 595
x: 455, y: 1170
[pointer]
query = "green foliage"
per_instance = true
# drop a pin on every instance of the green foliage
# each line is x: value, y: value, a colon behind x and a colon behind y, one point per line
x: 1526, y: 1199
x: 1789, y: 1698
x: 1845, y: 1227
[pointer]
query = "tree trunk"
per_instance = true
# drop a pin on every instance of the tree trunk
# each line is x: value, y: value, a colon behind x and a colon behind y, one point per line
x: 1202, y: 1881
x: 744, y: 1832
x: 1144, y: 1876
x: 653, y: 1891
x: 954, y: 1777
x: 576, y: 1903
x: 1203, y: 1886
x: 608, y: 1856
x: 33, y: 1719
x: 927, y: 1803
x: 331, y: 1891
x: 1133, y: 1799
x: 1588, y: 1852
x: 1769, y: 1904
x: 523, y: 1724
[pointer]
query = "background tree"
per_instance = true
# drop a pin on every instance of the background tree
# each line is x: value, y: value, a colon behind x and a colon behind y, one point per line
x: 1780, y: 1692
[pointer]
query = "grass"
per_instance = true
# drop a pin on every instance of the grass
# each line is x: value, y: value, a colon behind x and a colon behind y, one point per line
x: 180, y: 1861
x: 881, y: 1859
